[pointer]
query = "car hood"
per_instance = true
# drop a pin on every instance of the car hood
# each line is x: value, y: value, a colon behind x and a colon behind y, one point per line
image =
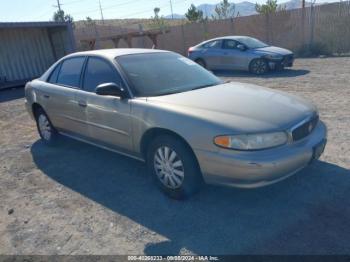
x: 240, y: 106
x: 274, y: 50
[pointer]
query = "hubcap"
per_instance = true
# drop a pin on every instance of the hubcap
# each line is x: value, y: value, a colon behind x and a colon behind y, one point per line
x: 169, y: 167
x: 259, y: 67
x: 44, y: 127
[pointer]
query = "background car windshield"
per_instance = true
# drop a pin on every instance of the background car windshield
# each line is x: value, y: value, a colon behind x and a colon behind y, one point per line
x: 158, y: 74
x: 252, y: 42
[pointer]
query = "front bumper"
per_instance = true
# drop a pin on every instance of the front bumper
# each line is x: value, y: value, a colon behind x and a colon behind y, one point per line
x: 287, y: 61
x: 260, y: 168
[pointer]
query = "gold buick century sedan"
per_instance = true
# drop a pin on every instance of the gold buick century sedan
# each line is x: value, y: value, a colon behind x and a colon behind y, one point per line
x: 185, y: 123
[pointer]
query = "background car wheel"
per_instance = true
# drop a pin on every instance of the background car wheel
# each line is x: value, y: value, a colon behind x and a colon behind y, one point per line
x: 201, y: 62
x: 174, y: 167
x: 258, y: 66
x: 46, y: 130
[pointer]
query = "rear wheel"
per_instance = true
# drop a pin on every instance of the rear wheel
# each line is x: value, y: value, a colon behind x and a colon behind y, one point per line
x: 46, y: 130
x: 258, y: 66
x: 201, y: 62
x: 174, y: 167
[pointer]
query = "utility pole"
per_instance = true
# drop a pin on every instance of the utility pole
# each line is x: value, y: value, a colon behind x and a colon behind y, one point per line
x: 103, y: 21
x: 58, y: 5
x: 171, y: 7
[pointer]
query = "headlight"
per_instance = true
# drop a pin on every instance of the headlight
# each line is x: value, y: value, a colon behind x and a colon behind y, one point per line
x: 274, y: 57
x: 252, y: 141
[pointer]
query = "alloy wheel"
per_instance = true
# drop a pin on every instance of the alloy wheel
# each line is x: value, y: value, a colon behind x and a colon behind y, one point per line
x: 259, y: 67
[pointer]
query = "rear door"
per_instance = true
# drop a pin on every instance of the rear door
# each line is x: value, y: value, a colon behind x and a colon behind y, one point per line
x: 107, y: 117
x: 212, y: 54
x: 60, y: 94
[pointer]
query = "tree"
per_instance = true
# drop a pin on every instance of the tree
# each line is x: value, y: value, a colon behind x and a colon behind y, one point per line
x: 193, y: 14
x: 60, y: 16
x: 156, y: 11
x: 89, y: 22
x: 224, y: 10
x: 269, y: 7
x: 158, y: 22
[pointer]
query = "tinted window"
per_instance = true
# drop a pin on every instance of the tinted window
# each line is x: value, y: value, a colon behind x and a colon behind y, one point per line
x: 251, y: 42
x: 155, y: 74
x: 230, y: 44
x: 98, y: 72
x: 213, y: 44
x: 54, y: 74
x: 70, y: 71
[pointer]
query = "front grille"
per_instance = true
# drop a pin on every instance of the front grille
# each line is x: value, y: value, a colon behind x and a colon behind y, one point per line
x: 304, y: 129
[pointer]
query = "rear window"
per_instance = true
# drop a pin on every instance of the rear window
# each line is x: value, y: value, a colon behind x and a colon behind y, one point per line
x: 69, y: 74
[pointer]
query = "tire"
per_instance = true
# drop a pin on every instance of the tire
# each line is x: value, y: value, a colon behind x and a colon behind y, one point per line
x: 258, y: 66
x: 201, y: 62
x: 174, y: 167
x: 46, y: 130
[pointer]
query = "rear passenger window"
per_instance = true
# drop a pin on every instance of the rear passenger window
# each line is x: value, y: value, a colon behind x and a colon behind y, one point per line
x: 99, y: 72
x: 213, y: 44
x: 54, y: 74
x: 70, y: 71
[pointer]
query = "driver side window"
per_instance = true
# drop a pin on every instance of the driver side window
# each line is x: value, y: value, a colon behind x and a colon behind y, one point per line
x: 99, y: 72
x: 230, y: 44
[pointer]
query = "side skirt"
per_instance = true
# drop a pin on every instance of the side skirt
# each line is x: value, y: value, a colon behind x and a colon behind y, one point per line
x: 101, y: 146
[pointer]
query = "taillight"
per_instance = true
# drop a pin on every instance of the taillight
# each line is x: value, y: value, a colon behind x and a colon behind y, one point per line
x: 190, y: 50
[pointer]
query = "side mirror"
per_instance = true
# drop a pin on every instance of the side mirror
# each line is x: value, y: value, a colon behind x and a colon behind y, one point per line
x: 110, y: 89
x: 241, y: 47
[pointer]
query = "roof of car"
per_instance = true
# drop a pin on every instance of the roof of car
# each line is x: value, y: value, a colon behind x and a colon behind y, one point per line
x: 234, y: 37
x: 112, y: 53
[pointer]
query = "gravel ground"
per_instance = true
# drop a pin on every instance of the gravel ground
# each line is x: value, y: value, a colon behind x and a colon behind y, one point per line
x: 78, y: 199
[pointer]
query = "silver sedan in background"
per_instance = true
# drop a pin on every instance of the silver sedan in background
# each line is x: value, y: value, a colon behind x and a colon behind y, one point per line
x: 240, y: 53
x: 162, y: 108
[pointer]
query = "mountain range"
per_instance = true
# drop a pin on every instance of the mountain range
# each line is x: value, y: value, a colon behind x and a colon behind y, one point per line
x: 244, y: 8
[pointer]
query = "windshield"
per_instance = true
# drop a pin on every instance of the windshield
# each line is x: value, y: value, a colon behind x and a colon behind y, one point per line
x: 252, y: 42
x: 155, y: 74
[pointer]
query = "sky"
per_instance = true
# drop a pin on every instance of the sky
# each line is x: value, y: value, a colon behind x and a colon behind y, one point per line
x: 42, y: 10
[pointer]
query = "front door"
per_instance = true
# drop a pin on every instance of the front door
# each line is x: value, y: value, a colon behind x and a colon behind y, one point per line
x: 107, y: 118
x: 232, y: 58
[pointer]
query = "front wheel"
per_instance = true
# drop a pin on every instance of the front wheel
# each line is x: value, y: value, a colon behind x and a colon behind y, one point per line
x: 174, y: 167
x: 46, y: 130
x: 258, y: 66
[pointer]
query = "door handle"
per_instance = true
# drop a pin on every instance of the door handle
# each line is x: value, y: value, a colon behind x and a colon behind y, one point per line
x: 82, y: 104
x: 46, y: 96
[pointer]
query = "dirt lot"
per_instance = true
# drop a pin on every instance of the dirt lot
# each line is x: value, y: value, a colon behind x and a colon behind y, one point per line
x: 78, y: 199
